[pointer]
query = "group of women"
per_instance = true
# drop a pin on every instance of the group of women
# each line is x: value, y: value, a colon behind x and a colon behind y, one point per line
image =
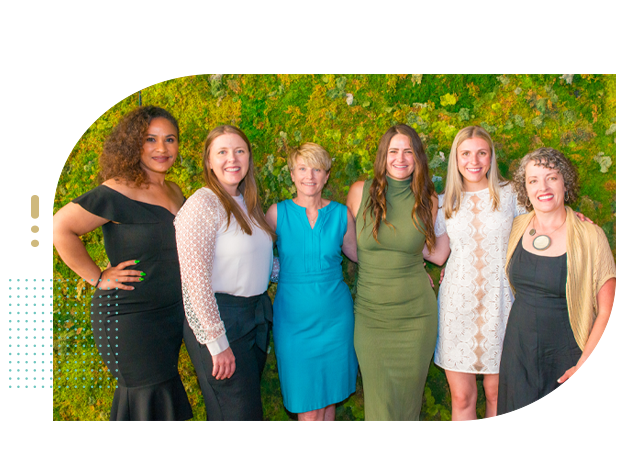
x: 524, y: 300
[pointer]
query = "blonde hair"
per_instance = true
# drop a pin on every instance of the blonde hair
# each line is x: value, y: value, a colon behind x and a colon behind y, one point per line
x: 454, y: 190
x: 314, y: 155
x: 247, y: 186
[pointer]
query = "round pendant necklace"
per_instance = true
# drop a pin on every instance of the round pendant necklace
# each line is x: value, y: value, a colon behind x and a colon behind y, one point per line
x: 543, y: 242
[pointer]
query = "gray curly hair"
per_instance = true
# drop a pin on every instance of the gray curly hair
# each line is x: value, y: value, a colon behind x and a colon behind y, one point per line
x: 552, y: 159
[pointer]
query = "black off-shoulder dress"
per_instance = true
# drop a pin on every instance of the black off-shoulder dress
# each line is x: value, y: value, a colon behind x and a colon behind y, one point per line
x: 139, y: 332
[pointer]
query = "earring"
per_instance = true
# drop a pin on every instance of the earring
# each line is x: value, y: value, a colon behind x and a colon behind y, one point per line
x: 566, y: 196
x: 526, y: 203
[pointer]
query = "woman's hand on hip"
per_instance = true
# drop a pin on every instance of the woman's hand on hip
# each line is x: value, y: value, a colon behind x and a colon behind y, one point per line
x: 223, y: 364
x: 114, y: 277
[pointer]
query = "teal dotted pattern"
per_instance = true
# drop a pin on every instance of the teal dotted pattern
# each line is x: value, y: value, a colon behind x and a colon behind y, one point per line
x: 30, y: 336
x: 78, y: 358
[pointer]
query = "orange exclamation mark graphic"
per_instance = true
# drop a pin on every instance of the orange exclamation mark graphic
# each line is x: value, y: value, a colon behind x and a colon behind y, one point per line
x: 34, y: 215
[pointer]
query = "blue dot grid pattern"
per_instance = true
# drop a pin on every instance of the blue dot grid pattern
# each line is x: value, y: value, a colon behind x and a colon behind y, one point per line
x: 81, y: 360
x: 29, y: 306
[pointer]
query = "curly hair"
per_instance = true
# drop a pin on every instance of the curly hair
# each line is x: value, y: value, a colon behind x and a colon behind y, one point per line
x: 551, y: 159
x: 421, y: 186
x: 123, y: 147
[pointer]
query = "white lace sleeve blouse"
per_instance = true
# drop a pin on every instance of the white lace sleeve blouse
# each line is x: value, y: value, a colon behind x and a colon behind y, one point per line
x: 214, y: 258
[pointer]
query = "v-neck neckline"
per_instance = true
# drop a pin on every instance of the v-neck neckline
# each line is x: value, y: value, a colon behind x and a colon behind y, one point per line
x: 321, y: 210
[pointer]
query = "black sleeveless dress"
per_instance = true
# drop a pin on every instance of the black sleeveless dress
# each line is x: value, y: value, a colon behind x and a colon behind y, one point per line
x: 539, y: 345
x: 138, y: 333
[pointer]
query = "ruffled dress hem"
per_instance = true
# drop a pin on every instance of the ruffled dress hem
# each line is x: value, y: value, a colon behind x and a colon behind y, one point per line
x: 162, y: 401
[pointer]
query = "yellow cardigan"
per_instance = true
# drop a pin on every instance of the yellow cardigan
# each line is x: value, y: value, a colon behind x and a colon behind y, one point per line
x: 590, y: 264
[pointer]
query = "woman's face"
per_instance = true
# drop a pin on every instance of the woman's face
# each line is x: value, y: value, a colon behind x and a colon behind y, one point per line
x: 228, y: 158
x: 400, y: 162
x: 545, y: 187
x: 308, y: 181
x: 473, y: 161
x: 160, y: 147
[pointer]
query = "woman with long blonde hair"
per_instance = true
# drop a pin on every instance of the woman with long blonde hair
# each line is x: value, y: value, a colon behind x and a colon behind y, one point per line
x: 225, y: 251
x: 476, y: 214
x: 395, y: 308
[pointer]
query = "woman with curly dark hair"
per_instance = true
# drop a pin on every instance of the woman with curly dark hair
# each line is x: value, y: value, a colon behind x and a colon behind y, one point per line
x: 395, y: 306
x: 563, y: 276
x: 137, y: 312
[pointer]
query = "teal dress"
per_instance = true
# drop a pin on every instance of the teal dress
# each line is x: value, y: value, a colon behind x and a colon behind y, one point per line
x: 313, y: 320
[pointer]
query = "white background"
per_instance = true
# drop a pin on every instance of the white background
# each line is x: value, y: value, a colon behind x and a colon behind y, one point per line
x: 66, y: 63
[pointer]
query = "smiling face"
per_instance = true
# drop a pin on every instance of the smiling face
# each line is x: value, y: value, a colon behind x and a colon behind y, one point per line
x: 309, y: 181
x: 228, y: 158
x: 545, y: 187
x: 160, y: 147
x: 473, y: 162
x: 400, y: 161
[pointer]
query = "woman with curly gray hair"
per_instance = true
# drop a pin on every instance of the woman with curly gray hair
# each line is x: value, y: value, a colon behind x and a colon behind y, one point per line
x: 562, y: 272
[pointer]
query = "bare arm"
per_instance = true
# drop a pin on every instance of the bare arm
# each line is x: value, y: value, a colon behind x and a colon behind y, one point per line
x: 73, y: 221
x: 69, y: 223
x: 441, y: 251
x: 272, y: 220
x: 272, y: 216
x: 354, y: 198
x: 442, y: 248
x: 349, y: 246
x: 605, y: 299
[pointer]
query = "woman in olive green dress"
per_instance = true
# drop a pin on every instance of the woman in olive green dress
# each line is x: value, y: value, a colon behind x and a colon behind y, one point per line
x: 395, y: 306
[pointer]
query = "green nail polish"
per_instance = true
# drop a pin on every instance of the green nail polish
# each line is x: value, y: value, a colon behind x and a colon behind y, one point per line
x: 142, y: 273
x: 141, y: 279
x: 136, y: 261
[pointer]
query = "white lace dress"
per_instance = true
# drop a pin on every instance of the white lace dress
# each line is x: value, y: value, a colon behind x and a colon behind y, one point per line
x: 474, y: 300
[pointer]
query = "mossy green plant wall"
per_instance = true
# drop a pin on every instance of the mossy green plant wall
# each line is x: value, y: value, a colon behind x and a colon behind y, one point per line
x: 346, y: 114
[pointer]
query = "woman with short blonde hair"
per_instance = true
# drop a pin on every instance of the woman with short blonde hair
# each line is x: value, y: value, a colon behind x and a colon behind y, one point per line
x: 313, y: 321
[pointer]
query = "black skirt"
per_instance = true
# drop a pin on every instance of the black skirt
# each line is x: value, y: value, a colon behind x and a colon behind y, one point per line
x: 539, y: 345
x: 247, y: 323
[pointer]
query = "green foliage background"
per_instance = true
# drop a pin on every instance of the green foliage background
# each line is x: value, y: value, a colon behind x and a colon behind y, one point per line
x: 346, y: 114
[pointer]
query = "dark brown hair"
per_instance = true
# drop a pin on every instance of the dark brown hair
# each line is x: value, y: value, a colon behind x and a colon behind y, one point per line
x: 551, y: 159
x: 421, y: 186
x: 247, y: 186
x: 123, y: 147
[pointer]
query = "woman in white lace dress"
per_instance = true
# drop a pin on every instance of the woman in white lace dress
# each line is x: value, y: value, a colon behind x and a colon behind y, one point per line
x: 474, y: 219
x: 225, y: 252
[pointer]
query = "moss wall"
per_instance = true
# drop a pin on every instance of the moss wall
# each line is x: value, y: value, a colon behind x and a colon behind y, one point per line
x: 346, y: 114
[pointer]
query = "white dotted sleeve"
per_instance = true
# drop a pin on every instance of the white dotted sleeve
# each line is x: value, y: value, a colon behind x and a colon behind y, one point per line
x: 196, y: 227
x: 440, y: 222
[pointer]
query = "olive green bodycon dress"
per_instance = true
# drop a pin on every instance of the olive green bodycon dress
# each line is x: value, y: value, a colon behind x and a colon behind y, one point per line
x: 395, y: 309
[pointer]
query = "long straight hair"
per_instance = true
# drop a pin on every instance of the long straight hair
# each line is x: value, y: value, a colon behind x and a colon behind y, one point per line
x: 247, y: 186
x: 421, y: 186
x: 454, y: 189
